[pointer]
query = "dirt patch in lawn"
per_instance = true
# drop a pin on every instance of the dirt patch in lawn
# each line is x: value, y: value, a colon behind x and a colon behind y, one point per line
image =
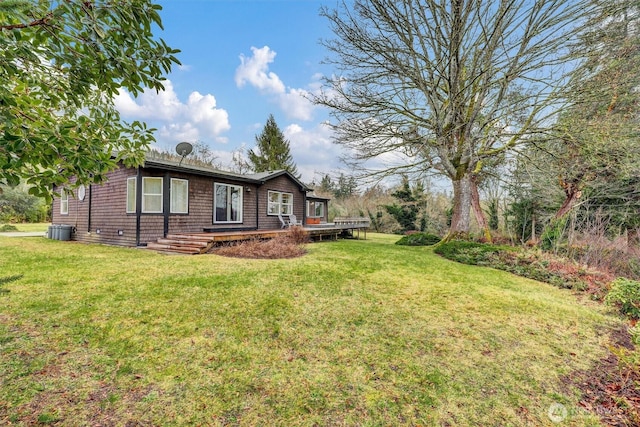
x: 611, y: 388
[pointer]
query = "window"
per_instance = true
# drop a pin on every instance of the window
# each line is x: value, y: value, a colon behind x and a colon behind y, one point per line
x: 131, y: 194
x: 227, y: 203
x: 280, y: 203
x: 179, y: 196
x: 315, y: 209
x: 64, y: 202
x: 151, y: 195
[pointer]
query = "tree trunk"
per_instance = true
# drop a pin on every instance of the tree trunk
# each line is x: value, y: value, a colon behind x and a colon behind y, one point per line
x: 534, y: 238
x: 478, y: 212
x: 461, y: 219
x: 573, y: 194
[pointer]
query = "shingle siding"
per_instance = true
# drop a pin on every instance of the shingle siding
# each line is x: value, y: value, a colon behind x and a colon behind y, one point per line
x: 285, y: 185
x: 102, y: 218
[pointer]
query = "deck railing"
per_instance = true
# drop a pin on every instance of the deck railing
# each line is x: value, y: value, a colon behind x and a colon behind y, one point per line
x: 359, y: 221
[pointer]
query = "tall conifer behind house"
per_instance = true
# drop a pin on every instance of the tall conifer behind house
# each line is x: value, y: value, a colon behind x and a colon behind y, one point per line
x: 272, y: 150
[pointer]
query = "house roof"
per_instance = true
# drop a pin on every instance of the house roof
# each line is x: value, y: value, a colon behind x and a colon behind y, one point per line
x: 256, y: 178
x: 266, y: 176
x: 314, y: 197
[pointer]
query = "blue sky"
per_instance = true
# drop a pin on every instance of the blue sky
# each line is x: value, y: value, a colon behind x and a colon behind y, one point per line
x: 241, y: 61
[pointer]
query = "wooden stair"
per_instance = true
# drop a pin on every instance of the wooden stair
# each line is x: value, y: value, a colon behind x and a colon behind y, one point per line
x: 188, y: 244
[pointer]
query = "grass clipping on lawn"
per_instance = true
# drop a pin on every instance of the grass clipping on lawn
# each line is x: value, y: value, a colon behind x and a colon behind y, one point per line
x: 288, y: 245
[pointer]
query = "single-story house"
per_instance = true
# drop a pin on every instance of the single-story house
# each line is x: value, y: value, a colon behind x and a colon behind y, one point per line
x: 136, y: 206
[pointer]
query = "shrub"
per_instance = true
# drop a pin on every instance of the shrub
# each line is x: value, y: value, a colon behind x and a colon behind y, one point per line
x: 419, y: 239
x: 284, y: 246
x: 553, y: 234
x: 625, y: 296
x: 8, y: 227
x: 605, y: 254
x: 297, y: 235
x: 468, y: 252
x: 535, y: 265
x: 17, y: 205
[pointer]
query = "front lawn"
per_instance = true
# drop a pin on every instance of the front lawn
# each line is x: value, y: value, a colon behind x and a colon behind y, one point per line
x: 29, y: 227
x: 363, y: 333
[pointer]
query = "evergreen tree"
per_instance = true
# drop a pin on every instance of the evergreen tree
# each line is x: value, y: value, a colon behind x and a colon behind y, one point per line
x: 326, y: 185
x: 345, y: 187
x: 596, y: 150
x: 272, y: 150
x: 412, y: 202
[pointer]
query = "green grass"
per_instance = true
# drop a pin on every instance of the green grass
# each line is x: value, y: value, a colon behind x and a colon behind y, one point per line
x: 363, y: 333
x: 31, y: 227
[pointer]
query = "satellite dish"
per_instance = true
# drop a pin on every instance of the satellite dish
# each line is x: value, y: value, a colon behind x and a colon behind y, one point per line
x: 184, y: 148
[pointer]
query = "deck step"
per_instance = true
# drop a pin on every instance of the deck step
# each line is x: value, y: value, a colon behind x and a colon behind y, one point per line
x: 172, y: 248
x: 190, y: 237
x: 183, y: 242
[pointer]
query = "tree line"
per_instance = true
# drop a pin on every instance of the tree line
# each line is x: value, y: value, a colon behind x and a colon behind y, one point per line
x: 536, y: 100
x: 465, y: 89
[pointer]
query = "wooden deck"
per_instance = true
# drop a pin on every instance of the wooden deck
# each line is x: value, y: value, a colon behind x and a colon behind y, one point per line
x: 200, y: 243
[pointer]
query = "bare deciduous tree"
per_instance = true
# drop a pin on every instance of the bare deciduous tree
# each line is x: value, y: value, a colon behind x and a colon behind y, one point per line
x: 446, y: 85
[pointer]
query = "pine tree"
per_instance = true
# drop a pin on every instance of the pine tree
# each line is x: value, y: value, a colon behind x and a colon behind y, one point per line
x: 272, y: 150
x: 412, y: 201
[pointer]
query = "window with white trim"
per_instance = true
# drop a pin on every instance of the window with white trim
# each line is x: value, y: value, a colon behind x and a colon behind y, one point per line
x: 279, y: 203
x: 64, y: 202
x: 227, y: 203
x: 151, y: 195
x: 315, y: 209
x: 179, y: 196
x: 131, y: 194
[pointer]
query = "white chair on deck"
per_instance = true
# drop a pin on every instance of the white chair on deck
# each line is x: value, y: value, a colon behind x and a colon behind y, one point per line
x: 284, y: 222
x: 294, y: 221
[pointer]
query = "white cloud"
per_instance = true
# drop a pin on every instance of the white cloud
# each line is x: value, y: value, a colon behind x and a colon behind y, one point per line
x: 313, y: 150
x: 255, y: 71
x: 294, y: 102
x: 202, y: 110
x: 178, y: 132
x: 196, y: 120
x: 315, y: 154
x: 162, y: 105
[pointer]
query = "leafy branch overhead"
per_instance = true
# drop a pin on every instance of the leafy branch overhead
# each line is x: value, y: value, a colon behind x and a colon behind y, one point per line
x: 61, y: 64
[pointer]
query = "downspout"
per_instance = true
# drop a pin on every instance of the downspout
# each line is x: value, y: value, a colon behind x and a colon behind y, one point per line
x: 53, y: 189
x: 75, y: 226
x: 304, y: 207
x: 166, y: 201
x: 138, y: 204
x: 258, y: 206
x: 89, y: 210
